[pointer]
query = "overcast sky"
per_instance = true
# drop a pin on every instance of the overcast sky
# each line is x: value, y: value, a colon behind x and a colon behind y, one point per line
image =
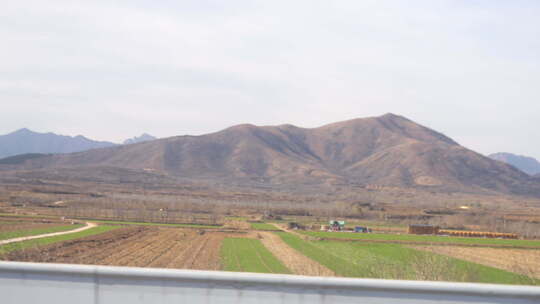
x: 114, y: 69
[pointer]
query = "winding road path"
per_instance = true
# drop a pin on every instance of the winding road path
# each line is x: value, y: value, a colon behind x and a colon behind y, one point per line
x: 26, y: 238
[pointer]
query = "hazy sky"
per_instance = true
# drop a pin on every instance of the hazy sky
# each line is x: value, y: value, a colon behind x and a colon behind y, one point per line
x: 114, y: 69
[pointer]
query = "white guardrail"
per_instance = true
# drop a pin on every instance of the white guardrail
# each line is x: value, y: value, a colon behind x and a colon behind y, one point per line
x: 80, y: 284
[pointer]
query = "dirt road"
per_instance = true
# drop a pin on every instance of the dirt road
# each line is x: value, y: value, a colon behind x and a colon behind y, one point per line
x: 26, y: 238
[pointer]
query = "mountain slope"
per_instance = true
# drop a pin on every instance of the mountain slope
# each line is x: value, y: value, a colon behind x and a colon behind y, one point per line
x: 24, y: 141
x: 526, y: 164
x: 380, y: 151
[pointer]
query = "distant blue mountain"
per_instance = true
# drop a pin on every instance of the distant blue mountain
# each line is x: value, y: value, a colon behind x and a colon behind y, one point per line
x: 138, y: 139
x: 24, y: 141
x: 526, y: 164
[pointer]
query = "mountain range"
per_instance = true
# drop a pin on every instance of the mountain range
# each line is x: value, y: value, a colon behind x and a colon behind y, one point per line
x: 526, y: 164
x: 25, y: 141
x: 385, y: 151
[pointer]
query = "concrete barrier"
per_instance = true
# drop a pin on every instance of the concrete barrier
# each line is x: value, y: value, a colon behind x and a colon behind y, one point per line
x: 80, y: 284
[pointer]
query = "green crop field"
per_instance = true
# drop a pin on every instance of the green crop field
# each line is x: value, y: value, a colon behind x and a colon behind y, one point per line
x: 49, y: 240
x: 421, y: 238
x: 393, y: 261
x: 264, y: 226
x: 20, y: 233
x: 249, y: 255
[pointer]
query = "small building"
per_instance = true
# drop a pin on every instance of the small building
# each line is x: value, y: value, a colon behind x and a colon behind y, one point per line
x: 423, y: 229
x: 336, y: 225
x: 362, y: 229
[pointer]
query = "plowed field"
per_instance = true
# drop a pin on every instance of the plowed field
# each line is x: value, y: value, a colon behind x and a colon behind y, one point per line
x: 136, y: 246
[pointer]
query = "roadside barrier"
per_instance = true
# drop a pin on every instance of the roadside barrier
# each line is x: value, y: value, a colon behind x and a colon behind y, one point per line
x: 22, y: 283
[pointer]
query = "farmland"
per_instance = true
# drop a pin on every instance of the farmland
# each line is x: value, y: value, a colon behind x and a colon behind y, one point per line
x: 392, y: 261
x: 244, y: 246
x: 154, y: 224
x: 136, y: 246
x: 37, y: 243
x: 15, y: 232
x: 243, y: 254
x: 430, y: 239
x: 523, y: 261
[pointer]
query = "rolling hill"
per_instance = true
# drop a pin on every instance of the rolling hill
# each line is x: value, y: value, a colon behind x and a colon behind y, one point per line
x: 389, y: 150
x: 526, y: 164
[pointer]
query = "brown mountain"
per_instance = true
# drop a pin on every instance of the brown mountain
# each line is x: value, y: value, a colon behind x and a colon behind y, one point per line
x: 381, y: 151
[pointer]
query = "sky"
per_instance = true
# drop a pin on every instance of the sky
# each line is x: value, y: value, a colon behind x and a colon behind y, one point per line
x: 110, y: 70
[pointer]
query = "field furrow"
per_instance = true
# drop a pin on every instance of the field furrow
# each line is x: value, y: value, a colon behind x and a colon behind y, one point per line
x: 174, y: 258
x: 123, y: 256
x: 136, y: 246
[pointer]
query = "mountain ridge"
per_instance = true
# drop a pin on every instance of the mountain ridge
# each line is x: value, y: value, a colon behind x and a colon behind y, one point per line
x: 387, y: 151
x: 25, y: 141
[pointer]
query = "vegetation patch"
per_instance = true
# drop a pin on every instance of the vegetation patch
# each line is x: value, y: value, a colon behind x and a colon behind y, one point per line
x: 393, y: 261
x: 249, y: 255
x: 264, y: 226
x: 49, y: 240
x: 421, y: 238
x: 30, y: 232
